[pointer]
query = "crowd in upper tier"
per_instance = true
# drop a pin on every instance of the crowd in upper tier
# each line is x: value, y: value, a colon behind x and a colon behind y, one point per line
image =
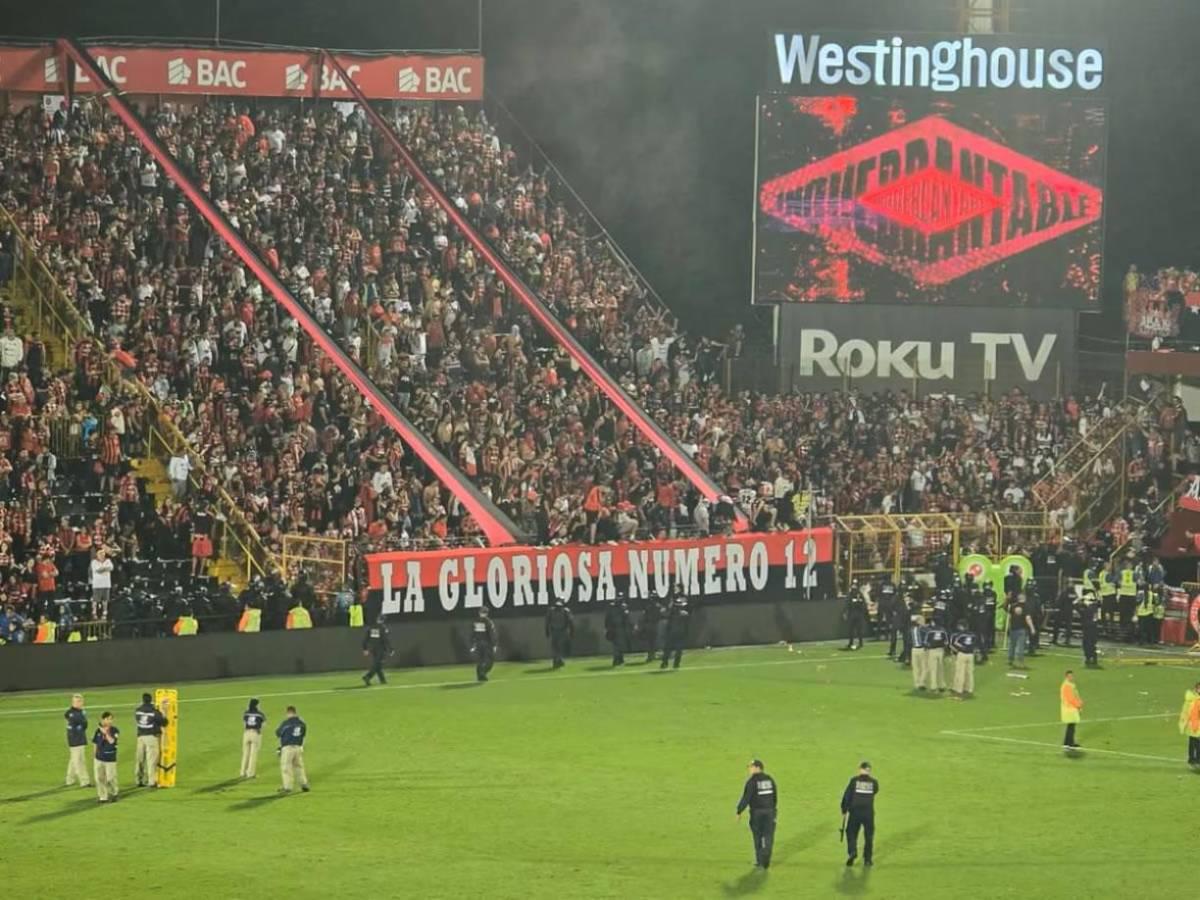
x: 320, y: 194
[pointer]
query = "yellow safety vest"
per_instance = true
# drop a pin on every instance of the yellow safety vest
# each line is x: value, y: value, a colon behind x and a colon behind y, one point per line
x: 1146, y: 607
x: 1089, y: 583
x: 1069, y: 702
x: 74, y: 637
x: 1189, y: 716
x: 1107, y: 588
x: 251, y: 621
x: 186, y: 626
x: 45, y: 633
x: 298, y: 618
x: 356, y: 615
x: 1128, y: 586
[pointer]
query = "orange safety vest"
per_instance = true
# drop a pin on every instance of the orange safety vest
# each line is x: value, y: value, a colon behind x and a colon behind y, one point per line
x: 45, y: 633
x: 251, y: 621
x: 1069, y: 702
x: 298, y: 617
x: 186, y: 626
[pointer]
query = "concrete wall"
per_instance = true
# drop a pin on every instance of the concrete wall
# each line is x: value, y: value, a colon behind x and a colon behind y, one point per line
x: 417, y: 643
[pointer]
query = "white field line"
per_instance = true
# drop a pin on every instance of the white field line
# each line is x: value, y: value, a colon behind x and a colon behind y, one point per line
x: 992, y: 737
x: 1161, y: 715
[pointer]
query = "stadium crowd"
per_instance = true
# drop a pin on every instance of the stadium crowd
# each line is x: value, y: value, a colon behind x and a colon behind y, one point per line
x: 371, y: 254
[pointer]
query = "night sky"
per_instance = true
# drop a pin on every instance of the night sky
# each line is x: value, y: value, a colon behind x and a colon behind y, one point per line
x: 647, y: 106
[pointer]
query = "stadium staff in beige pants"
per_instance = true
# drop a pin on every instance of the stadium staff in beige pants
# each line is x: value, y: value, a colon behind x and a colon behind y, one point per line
x: 252, y: 726
x: 964, y: 643
x: 150, y: 721
x: 105, y: 740
x: 291, y: 733
x: 77, y: 740
x: 918, y: 652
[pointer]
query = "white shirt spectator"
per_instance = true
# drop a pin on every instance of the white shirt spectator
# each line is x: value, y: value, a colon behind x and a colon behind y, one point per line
x: 12, y: 351
x: 102, y: 573
x: 179, y: 468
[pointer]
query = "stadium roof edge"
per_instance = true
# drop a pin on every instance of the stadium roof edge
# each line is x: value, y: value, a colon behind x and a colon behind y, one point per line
x: 209, y: 43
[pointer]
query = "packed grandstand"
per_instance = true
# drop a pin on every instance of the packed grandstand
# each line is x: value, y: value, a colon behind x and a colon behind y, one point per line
x: 222, y: 429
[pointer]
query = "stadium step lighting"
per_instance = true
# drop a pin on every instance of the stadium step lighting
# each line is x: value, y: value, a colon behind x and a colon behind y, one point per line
x: 496, y: 525
x: 541, y: 314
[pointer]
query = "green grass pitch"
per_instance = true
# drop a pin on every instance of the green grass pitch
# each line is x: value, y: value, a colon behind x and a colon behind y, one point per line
x: 590, y: 782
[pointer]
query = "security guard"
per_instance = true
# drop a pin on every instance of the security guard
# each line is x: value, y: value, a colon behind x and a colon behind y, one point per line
x: 618, y: 629
x: 253, y: 720
x: 378, y: 646
x: 1070, y: 706
x: 964, y: 643
x: 916, y: 650
x: 1033, y: 608
x: 105, y: 740
x: 291, y: 733
x: 941, y: 606
x: 888, y: 599
x: 762, y: 796
x: 856, y: 616
x: 77, y: 725
x: 150, y: 722
x: 936, y: 640
x: 1145, y: 615
x: 298, y: 618
x: 1089, y: 623
x: 858, y: 811
x: 1127, y: 593
x: 560, y: 628
x: 677, y: 631
x: 1064, y: 615
x: 654, y: 623
x: 1189, y: 723
x: 483, y: 643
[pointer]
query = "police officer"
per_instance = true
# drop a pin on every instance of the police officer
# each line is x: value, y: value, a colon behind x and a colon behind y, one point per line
x: 941, y: 607
x: 560, y: 628
x: 253, y: 720
x: 1145, y: 614
x: 1064, y: 615
x: 936, y: 641
x: 677, y: 629
x: 762, y: 796
x: 618, y: 627
x: 1089, y: 623
x: 150, y: 722
x: 899, y: 629
x: 856, y: 617
x: 483, y: 643
x: 654, y: 623
x: 858, y: 812
x: 886, y: 592
x: 964, y: 642
x: 988, y: 632
x: 77, y: 740
x: 291, y: 733
x: 377, y: 645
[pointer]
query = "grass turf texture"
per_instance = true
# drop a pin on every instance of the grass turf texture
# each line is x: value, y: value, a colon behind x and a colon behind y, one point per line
x: 592, y: 783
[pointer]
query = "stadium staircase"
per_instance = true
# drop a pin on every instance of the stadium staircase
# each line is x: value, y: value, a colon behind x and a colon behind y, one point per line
x: 538, y: 308
x: 496, y: 524
x: 41, y: 308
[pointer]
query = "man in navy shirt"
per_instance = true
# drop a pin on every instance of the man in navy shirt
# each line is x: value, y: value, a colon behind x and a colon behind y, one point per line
x: 105, y: 739
x: 77, y: 743
x: 252, y: 724
x: 964, y: 643
x: 150, y: 721
x: 291, y: 733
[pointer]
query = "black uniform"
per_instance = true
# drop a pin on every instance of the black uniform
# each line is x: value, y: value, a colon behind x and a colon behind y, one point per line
x: 654, y: 618
x: 1033, y: 608
x: 899, y: 628
x: 560, y: 628
x: 762, y: 796
x: 483, y: 644
x: 856, y: 617
x: 677, y: 630
x: 1089, y: 612
x: 377, y: 643
x: 618, y: 629
x: 987, y: 624
x: 149, y: 721
x: 858, y: 802
x: 886, y: 612
x: 1064, y: 615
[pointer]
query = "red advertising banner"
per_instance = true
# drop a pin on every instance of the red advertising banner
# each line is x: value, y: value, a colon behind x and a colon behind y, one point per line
x: 534, y: 576
x: 249, y: 73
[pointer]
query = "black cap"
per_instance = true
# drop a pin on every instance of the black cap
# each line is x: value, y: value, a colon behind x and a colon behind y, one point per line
x: 146, y: 698
x: 757, y: 763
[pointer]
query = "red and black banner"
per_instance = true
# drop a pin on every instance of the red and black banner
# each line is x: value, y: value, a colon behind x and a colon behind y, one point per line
x: 795, y: 565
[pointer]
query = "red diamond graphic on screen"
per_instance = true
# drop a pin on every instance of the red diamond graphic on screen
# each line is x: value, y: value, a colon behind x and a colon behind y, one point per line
x: 931, y: 200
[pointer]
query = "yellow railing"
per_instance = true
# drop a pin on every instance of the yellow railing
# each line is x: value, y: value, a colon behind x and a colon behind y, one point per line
x: 55, y: 311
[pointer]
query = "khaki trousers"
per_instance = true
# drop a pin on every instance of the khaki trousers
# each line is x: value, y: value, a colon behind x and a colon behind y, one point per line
x: 77, y: 767
x: 145, y: 770
x: 291, y: 767
x: 918, y: 666
x: 251, y: 742
x: 935, y: 673
x: 106, y: 779
x: 964, y: 673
